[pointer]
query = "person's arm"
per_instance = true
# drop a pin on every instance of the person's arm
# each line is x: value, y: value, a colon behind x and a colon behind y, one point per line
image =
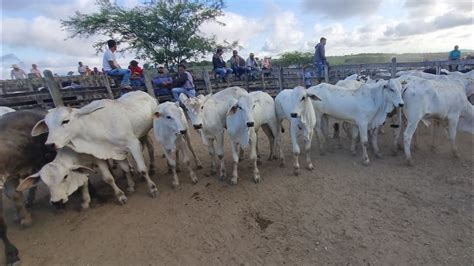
x: 323, y: 53
x: 180, y: 79
x: 215, y: 62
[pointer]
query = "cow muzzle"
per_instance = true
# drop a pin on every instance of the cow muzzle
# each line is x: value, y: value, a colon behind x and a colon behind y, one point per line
x: 400, y: 105
x: 197, y: 126
x: 250, y: 124
x: 51, y: 146
x: 294, y: 115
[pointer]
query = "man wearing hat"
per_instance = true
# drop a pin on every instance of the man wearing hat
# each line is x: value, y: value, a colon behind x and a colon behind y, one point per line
x: 162, y: 82
x: 17, y: 72
x: 184, y: 83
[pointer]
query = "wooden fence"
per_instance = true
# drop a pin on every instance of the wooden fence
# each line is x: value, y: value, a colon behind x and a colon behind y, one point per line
x: 79, y: 90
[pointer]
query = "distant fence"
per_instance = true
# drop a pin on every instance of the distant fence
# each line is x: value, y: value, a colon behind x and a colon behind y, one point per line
x: 44, y: 92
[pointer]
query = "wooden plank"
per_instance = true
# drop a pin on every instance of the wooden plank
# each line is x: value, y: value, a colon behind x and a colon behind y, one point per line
x: 53, y: 88
x: 105, y: 82
x: 148, y: 85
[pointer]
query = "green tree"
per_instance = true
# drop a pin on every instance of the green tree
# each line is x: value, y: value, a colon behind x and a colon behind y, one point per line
x: 162, y: 32
x: 294, y: 58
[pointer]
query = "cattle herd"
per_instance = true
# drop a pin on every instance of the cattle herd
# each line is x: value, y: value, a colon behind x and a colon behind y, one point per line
x: 61, y: 147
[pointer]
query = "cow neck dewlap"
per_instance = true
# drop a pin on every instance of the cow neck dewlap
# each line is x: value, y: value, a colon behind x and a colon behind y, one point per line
x: 381, y: 107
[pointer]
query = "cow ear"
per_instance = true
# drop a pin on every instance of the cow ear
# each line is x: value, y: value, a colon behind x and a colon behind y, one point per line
x: 385, y: 86
x: 314, y: 97
x: 82, y: 169
x: 92, y: 107
x: 39, y: 128
x: 183, y: 97
x: 157, y: 114
x: 232, y: 110
x: 29, y: 182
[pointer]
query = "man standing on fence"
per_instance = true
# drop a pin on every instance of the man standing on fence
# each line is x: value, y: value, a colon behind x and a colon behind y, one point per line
x: 320, y: 59
x: 112, y: 68
x: 454, y: 55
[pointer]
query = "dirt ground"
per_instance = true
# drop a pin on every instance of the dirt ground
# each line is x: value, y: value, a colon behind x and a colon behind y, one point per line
x: 341, y: 213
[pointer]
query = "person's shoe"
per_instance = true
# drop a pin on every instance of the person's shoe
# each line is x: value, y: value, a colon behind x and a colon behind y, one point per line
x: 126, y: 87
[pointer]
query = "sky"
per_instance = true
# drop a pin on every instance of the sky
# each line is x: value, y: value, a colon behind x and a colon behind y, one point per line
x: 31, y: 32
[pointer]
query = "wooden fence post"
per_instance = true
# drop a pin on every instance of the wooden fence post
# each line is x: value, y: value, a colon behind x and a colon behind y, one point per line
x: 53, y: 88
x: 280, y: 78
x: 148, y: 84
x: 393, y: 67
x: 438, y: 69
x: 207, y: 81
x: 105, y: 81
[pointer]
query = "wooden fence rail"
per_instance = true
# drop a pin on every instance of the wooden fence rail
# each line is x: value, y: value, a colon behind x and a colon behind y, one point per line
x: 80, y: 90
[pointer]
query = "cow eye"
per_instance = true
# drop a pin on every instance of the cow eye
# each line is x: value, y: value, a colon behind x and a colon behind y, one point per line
x: 202, y: 107
x: 65, y: 122
x: 303, y: 98
x: 168, y: 117
x: 65, y: 177
x: 253, y: 106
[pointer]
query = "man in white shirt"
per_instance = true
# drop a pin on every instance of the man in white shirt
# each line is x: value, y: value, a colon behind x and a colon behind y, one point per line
x: 17, y: 72
x: 252, y: 66
x: 81, y: 69
x: 112, y: 68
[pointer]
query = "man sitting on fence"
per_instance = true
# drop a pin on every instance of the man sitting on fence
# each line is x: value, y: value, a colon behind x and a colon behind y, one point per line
x: 219, y: 65
x: 35, y: 73
x: 136, y: 78
x: 183, y: 83
x: 112, y: 68
x: 17, y: 72
x: 266, y: 66
x: 162, y: 82
x: 237, y: 63
x: 320, y: 59
x: 252, y: 66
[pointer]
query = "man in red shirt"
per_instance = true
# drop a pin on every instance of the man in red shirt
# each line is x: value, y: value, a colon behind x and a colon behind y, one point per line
x: 136, y: 78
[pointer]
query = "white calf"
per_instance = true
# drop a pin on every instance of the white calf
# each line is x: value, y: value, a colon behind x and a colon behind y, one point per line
x: 244, y: 119
x: 171, y: 131
x: 295, y: 106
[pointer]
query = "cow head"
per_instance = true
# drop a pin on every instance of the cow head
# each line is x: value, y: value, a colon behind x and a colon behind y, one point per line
x: 61, y: 180
x: 171, y: 116
x: 194, y: 108
x: 393, y: 93
x: 300, y: 101
x: 62, y: 123
x: 240, y: 120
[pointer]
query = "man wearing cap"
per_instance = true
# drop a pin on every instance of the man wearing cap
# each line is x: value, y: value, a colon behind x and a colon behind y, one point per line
x: 17, y: 72
x: 112, y: 68
x: 162, y: 82
x: 184, y: 83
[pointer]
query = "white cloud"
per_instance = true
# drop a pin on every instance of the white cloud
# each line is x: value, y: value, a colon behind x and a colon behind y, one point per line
x: 339, y: 9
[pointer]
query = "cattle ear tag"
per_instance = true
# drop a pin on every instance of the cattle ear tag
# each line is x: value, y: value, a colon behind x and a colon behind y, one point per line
x: 157, y: 114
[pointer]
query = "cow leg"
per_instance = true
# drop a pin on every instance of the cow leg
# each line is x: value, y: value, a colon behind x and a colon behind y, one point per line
x: 320, y: 133
x: 137, y: 153
x: 307, y: 146
x: 86, y: 197
x: 434, y: 134
x: 151, y: 153
x: 354, y: 135
x: 296, y: 148
x: 254, y: 155
x: 186, y: 160
x: 268, y: 132
x: 177, y: 167
x: 212, y: 153
x: 17, y: 197
x: 375, y: 144
x: 220, y: 154
x: 235, y: 160
x: 396, y: 134
x: 109, y: 179
x: 31, y: 196
x: 407, y: 136
x: 172, y: 166
x: 187, y: 138
x: 278, y: 141
x: 126, y: 169
x: 365, y: 143
x: 11, y: 252
x: 452, y: 127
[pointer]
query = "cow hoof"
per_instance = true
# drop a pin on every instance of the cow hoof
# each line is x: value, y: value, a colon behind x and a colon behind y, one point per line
x: 296, y: 171
x: 199, y: 166
x: 122, y: 199
x: 174, y: 185
x: 310, y: 167
x: 154, y: 193
x: 456, y: 155
x: 131, y: 190
x: 256, y: 178
x: 234, y: 181
x: 85, y: 206
x: 366, y: 162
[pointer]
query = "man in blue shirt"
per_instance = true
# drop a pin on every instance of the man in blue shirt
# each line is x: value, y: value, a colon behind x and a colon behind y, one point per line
x: 320, y: 59
x: 454, y: 55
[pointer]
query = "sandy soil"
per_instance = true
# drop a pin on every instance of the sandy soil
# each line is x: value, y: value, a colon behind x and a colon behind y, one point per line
x: 341, y: 213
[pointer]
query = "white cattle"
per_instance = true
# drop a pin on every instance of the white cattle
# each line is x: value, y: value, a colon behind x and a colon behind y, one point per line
x: 366, y: 107
x: 69, y: 171
x: 244, y: 119
x: 295, y: 106
x: 5, y: 110
x: 208, y: 113
x: 171, y: 131
x: 441, y: 101
x: 106, y: 129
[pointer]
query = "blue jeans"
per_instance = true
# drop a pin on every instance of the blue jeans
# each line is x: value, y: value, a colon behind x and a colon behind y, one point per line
x: 223, y: 71
x: 137, y: 83
x: 124, y: 73
x: 320, y: 69
x: 238, y: 70
x: 177, y: 91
